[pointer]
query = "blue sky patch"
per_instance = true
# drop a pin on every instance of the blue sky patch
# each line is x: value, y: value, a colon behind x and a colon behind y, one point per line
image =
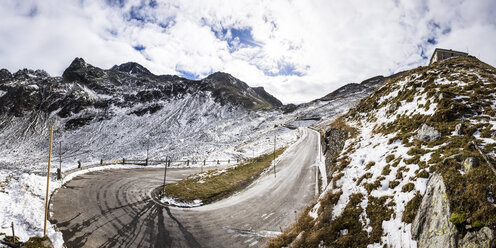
x: 420, y: 49
x: 140, y: 14
x: 236, y: 37
x: 284, y: 69
x: 188, y: 75
x: 116, y: 3
x: 432, y: 41
x: 139, y: 48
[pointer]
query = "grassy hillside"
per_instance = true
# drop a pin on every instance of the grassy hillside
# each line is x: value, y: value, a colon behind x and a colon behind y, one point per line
x: 379, y: 178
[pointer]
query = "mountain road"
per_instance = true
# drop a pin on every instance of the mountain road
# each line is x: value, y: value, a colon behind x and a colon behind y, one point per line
x: 113, y: 208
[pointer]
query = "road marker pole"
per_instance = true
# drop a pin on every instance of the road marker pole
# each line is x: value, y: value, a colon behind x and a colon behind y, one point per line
x: 165, y: 170
x: 59, y: 173
x: 48, y: 180
x: 147, y: 150
x: 13, y: 234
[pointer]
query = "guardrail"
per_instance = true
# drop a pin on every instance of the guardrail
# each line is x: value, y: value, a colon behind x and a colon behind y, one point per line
x: 145, y: 162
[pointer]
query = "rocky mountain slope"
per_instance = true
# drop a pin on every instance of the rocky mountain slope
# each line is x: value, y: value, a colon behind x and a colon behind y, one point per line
x: 114, y: 113
x: 323, y: 110
x: 404, y: 165
x: 119, y: 112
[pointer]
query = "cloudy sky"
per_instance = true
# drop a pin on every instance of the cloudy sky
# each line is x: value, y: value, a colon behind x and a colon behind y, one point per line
x: 298, y: 50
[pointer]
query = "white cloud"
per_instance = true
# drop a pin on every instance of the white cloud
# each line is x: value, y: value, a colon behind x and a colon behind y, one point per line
x: 304, y: 49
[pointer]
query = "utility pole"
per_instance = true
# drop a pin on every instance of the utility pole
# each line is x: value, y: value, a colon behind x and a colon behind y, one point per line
x: 60, y: 161
x: 13, y: 233
x: 48, y: 180
x: 147, y: 150
x: 274, y: 161
x: 165, y: 170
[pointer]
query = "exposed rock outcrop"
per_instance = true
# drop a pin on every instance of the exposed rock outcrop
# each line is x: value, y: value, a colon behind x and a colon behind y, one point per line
x: 392, y: 109
x: 470, y: 163
x: 333, y: 143
x: 484, y: 238
x: 427, y: 133
x: 431, y: 226
x: 459, y: 129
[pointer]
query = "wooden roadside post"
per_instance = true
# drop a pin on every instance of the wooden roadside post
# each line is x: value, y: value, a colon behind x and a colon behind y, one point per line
x: 59, y: 171
x: 13, y: 234
x: 48, y: 180
x: 204, y: 161
x: 147, y: 150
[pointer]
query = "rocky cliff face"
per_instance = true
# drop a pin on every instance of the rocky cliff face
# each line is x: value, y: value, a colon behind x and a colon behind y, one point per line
x: 333, y: 143
x: 431, y: 226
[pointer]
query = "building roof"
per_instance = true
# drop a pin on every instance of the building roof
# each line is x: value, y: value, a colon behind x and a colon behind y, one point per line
x: 446, y: 50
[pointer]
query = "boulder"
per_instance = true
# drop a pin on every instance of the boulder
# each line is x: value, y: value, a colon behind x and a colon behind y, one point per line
x: 427, y: 133
x: 431, y: 226
x: 470, y: 163
x: 456, y: 157
x: 484, y: 238
x: 393, y: 107
x: 459, y: 129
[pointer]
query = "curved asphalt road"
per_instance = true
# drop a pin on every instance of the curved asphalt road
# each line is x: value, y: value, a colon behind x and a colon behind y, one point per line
x: 113, y: 208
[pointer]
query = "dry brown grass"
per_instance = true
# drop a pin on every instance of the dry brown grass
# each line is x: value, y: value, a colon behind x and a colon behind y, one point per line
x: 215, y: 187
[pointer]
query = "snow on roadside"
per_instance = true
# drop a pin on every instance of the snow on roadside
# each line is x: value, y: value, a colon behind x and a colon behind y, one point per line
x: 105, y: 167
x: 183, y: 204
x: 23, y: 203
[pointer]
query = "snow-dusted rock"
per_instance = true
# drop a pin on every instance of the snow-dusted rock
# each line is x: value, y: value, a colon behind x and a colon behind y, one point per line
x: 393, y: 107
x: 427, y: 133
x: 470, y: 163
x: 459, y: 128
x: 431, y: 226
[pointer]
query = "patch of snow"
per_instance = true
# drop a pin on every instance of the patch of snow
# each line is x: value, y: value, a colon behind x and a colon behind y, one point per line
x: 314, y: 212
x: 253, y: 243
x: 398, y: 233
x: 33, y: 86
x: 183, y: 204
x: 104, y: 167
x: 24, y: 204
